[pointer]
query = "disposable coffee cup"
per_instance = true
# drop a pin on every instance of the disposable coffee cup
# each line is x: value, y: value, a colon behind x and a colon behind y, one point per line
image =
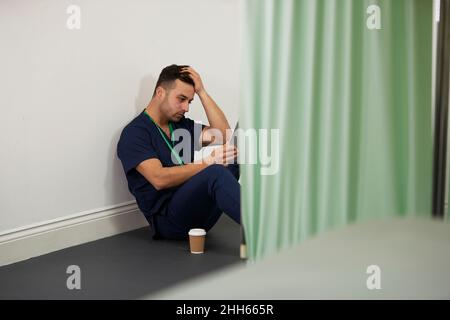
x: 197, y: 240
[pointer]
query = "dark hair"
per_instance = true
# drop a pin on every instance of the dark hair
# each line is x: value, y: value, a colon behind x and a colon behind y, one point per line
x: 171, y: 73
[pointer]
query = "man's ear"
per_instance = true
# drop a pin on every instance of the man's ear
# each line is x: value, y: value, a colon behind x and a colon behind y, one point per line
x: 160, y: 93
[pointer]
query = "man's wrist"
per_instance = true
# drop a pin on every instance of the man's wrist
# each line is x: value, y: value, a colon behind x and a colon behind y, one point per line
x: 209, y: 160
x: 202, y: 93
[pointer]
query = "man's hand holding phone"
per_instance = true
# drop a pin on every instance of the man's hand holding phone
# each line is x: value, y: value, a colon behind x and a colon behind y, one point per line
x: 225, y: 154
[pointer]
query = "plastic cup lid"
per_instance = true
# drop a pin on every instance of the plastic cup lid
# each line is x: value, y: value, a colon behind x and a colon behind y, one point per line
x: 197, y: 232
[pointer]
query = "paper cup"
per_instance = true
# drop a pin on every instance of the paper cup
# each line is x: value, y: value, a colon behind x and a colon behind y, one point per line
x: 197, y: 240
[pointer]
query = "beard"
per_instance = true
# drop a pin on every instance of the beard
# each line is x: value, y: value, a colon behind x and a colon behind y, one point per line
x: 177, y: 117
x: 168, y: 111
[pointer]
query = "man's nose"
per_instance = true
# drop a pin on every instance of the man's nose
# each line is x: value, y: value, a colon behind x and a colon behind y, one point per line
x: 185, y: 107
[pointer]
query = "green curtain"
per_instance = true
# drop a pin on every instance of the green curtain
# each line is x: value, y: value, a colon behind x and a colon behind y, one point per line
x: 353, y: 109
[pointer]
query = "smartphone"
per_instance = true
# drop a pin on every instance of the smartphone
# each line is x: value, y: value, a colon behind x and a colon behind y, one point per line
x: 233, y: 140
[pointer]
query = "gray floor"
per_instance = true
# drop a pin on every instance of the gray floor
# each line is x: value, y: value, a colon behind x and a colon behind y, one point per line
x: 127, y: 266
x: 409, y: 258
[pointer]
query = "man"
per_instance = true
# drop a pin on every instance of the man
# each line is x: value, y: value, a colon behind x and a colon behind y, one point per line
x: 174, y: 193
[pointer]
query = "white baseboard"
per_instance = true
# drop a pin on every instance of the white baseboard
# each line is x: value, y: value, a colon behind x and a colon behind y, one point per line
x: 41, y: 238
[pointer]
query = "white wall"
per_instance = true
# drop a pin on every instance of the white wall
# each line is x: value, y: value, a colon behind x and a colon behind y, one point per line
x: 66, y: 94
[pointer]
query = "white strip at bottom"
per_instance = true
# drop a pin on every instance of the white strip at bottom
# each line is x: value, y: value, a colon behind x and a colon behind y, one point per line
x: 35, y: 240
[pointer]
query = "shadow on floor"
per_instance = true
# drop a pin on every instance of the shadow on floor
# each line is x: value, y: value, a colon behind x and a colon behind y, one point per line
x: 126, y: 266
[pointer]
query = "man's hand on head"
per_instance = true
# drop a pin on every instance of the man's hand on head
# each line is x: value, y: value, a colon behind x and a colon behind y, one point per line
x: 215, y: 115
x: 199, y: 88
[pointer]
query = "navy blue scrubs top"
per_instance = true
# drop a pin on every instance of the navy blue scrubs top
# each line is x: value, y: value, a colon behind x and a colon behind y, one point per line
x: 141, y: 140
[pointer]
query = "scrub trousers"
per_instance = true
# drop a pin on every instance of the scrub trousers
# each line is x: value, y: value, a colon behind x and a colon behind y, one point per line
x: 200, y: 201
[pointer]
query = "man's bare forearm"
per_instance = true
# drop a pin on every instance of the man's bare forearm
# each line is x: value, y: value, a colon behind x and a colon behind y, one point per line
x: 166, y: 177
x: 174, y: 176
x: 215, y: 115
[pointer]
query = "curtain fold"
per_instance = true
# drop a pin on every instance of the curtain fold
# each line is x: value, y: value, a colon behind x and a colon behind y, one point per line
x: 353, y: 109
